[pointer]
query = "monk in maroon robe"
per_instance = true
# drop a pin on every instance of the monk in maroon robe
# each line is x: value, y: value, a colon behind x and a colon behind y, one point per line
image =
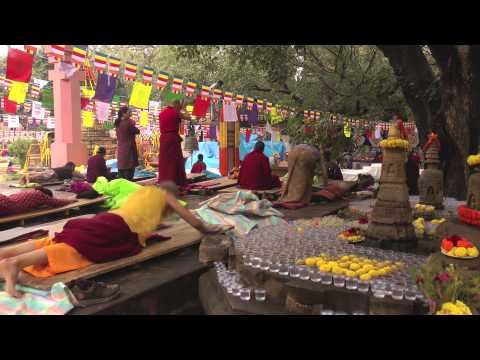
x: 127, y: 153
x: 255, y: 172
x: 171, y: 164
x: 199, y: 167
x: 97, y: 167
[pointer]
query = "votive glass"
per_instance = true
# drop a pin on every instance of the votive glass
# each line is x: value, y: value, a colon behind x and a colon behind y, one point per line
x: 260, y: 294
x: 351, y: 283
x: 397, y: 291
x: 363, y: 286
x: 245, y: 294
x: 326, y: 279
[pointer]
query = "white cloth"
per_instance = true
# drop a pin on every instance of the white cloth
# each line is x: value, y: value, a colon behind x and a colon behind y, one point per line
x: 101, y: 110
x: 230, y: 113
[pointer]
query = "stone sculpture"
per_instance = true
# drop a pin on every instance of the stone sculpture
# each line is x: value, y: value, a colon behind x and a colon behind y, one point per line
x: 430, y: 183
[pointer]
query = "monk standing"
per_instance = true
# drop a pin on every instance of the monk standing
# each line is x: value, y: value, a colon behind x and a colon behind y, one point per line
x: 171, y: 164
x: 255, y: 172
x: 127, y: 153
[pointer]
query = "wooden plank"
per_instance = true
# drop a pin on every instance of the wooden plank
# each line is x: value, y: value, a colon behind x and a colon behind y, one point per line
x: 313, y: 211
x: 79, y: 203
x: 182, y: 235
x: 153, y: 181
x: 217, y: 184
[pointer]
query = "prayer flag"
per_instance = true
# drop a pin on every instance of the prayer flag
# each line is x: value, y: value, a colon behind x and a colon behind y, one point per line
x: 100, y: 62
x: 27, y: 106
x: 249, y: 103
x: 130, y: 71
x: 37, y: 112
x: 113, y: 66
x: 190, y: 89
x: 34, y: 91
x: 200, y: 107
x: 31, y: 49
x: 239, y: 100
x: 306, y: 114
x: 227, y: 97
x: 147, y: 75
x: 19, y: 65
x: 18, y: 92
x: 144, y: 118
x: 106, y: 85
x: 347, y: 131
x: 79, y: 55
x: 140, y: 95
x: 217, y: 95
x: 102, y: 110
x: 169, y: 97
x: 51, y: 122
x: 87, y: 119
x: 229, y: 112
x: 57, y: 52
x: 205, y: 93
x: 13, y: 121
x: 162, y: 80
x: 260, y: 105
x: 177, y: 85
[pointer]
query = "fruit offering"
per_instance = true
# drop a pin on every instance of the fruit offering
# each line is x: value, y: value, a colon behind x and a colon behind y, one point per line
x: 352, y: 235
x: 458, y: 247
x: 352, y: 266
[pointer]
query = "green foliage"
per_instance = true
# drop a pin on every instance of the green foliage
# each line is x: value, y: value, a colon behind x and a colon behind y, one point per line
x: 19, y: 149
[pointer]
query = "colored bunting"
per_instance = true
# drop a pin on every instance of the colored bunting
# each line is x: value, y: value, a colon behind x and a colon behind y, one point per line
x: 113, y: 66
x: 249, y: 103
x: 205, y: 92
x: 269, y: 106
x: 130, y: 71
x: 19, y: 65
x: 260, y: 105
x: 79, y: 55
x: 31, y: 49
x: 57, y: 52
x: 217, y: 95
x: 162, y: 80
x: 144, y: 118
x: 239, y: 100
x: 190, y: 88
x: 227, y: 97
x: 100, y: 62
x: 147, y: 75
x: 177, y: 85
x: 18, y: 92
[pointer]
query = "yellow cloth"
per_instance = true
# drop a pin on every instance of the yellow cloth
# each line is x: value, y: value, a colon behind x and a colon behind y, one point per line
x: 61, y: 258
x: 18, y: 92
x: 87, y: 119
x: 143, y: 118
x: 140, y: 95
x: 143, y: 211
x: 88, y: 93
x: 275, y: 117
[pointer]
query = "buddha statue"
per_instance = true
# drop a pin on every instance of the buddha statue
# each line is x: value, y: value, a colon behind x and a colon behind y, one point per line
x: 392, y: 216
x: 430, y: 183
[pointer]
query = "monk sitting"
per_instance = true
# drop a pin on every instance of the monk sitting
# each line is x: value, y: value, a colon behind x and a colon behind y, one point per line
x: 106, y: 237
x: 97, y: 166
x: 255, y: 173
x: 199, y: 167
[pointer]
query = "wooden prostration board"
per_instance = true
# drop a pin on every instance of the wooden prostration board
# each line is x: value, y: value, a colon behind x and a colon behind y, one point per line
x: 182, y: 235
x: 38, y: 213
x: 218, y: 184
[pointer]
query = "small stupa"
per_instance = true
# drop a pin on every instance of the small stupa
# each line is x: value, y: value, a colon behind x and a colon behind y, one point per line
x: 392, y: 215
x: 430, y: 183
x: 470, y: 212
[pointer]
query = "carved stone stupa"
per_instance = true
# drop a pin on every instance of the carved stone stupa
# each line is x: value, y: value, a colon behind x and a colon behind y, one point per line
x: 392, y: 216
x: 473, y: 192
x: 430, y: 183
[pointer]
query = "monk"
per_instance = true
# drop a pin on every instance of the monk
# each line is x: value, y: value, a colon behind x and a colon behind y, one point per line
x: 97, y: 166
x: 105, y: 237
x: 171, y: 164
x: 255, y: 172
x: 199, y: 167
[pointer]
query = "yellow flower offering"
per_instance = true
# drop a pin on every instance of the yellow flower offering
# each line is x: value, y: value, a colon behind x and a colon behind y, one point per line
x: 473, y: 160
x: 365, y: 277
x: 311, y: 261
x: 354, y: 266
x: 457, y: 308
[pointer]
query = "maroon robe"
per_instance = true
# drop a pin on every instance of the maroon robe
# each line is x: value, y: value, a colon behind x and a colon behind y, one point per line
x: 96, y: 167
x: 171, y: 164
x: 255, y: 173
x: 198, y: 167
x: 127, y: 154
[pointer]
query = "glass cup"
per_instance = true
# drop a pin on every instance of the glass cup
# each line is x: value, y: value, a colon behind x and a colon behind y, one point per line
x: 327, y: 312
x: 379, y: 289
x: 316, y: 276
x: 363, y: 286
x: 327, y: 279
x: 245, y: 294
x: 247, y: 260
x: 339, y: 281
x: 359, y: 313
x: 256, y: 261
x: 236, y: 290
x: 351, y: 284
x: 294, y: 271
x: 275, y: 267
x: 283, y: 270
x: 304, y: 273
x: 397, y: 291
x: 411, y: 293
x: 260, y: 294
x: 265, y: 265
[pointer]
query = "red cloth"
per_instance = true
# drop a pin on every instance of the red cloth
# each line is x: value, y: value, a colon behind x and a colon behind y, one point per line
x: 248, y: 134
x: 198, y: 167
x: 200, y: 107
x: 27, y: 201
x: 171, y: 164
x: 255, y: 173
x: 105, y: 237
x: 9, y: 106
x: 19, y: 65
x: 96, y: 167
x: 84, y: 102
x: 291, y: 205
x: 127, y: 154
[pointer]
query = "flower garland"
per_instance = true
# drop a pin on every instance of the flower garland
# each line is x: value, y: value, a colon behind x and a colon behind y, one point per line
x: 394, y: 143
x: 454, y: 308
x: 473, y: 160
x: 469, y: 216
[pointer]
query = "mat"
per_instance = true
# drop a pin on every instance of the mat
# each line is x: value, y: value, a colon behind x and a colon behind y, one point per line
x: 182, y: 235
x: 215, y: 184
x: 31, y: 215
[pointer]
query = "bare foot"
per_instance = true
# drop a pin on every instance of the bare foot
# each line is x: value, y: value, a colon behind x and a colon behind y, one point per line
x: 9, y: 271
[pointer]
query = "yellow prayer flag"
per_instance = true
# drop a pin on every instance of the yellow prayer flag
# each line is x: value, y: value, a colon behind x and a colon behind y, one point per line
x: 140, y: 95
x: 276, y: 118
x: 144, y: 118
x: 87, y: 119
x: 88, y: 93
x: 18, y: 92
x: 189, y: 108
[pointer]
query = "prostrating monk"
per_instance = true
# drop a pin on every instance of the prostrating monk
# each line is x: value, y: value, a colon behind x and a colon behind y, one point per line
x: 31, y: 200
x: 62, y: 173
x: 199, y: 167
x: 171, y: 164
x: 106, y: 237
x: 255, y: 172
x: 127, y: 153
x: 97, y: 167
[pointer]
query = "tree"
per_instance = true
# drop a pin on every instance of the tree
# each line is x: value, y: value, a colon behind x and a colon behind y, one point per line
x: 441, y: 84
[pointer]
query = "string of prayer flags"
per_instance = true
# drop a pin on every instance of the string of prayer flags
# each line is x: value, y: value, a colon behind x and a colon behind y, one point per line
x: 190, y: 88
x: 87, y: 119
x: 27, y: 106
x: 79, y: 55
x: 162, y: 80
x: 144, y: 118
x: 227, y: 97
x: 19, y: 65
x: 205, y: 92
x: 18, y: 92
x: 130, y: 71
x: 113, y: 66
x: 177, y: 85
x: 147, y: 75
x: 260, y: 105
x: 239, y: 100
x: 140, y: 95
x: 31, y: 49
x: 306, y: 114
x: 269, y: 107
x: 57, y: 52
x: 346, y: 130
x: 217, y: 95
x: 317, y: 115
x: 250, y: 103
x: 100, y: 62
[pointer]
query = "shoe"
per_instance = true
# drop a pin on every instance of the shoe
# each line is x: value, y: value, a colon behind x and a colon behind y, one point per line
x: 88, y: 292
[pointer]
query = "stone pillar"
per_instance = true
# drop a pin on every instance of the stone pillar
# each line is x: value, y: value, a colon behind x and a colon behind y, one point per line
x: 66, y: 93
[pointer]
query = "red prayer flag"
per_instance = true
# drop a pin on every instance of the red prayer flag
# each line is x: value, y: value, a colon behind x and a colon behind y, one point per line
x: 19, y: 65
x: 200, y: 107
x: 10, y: 106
